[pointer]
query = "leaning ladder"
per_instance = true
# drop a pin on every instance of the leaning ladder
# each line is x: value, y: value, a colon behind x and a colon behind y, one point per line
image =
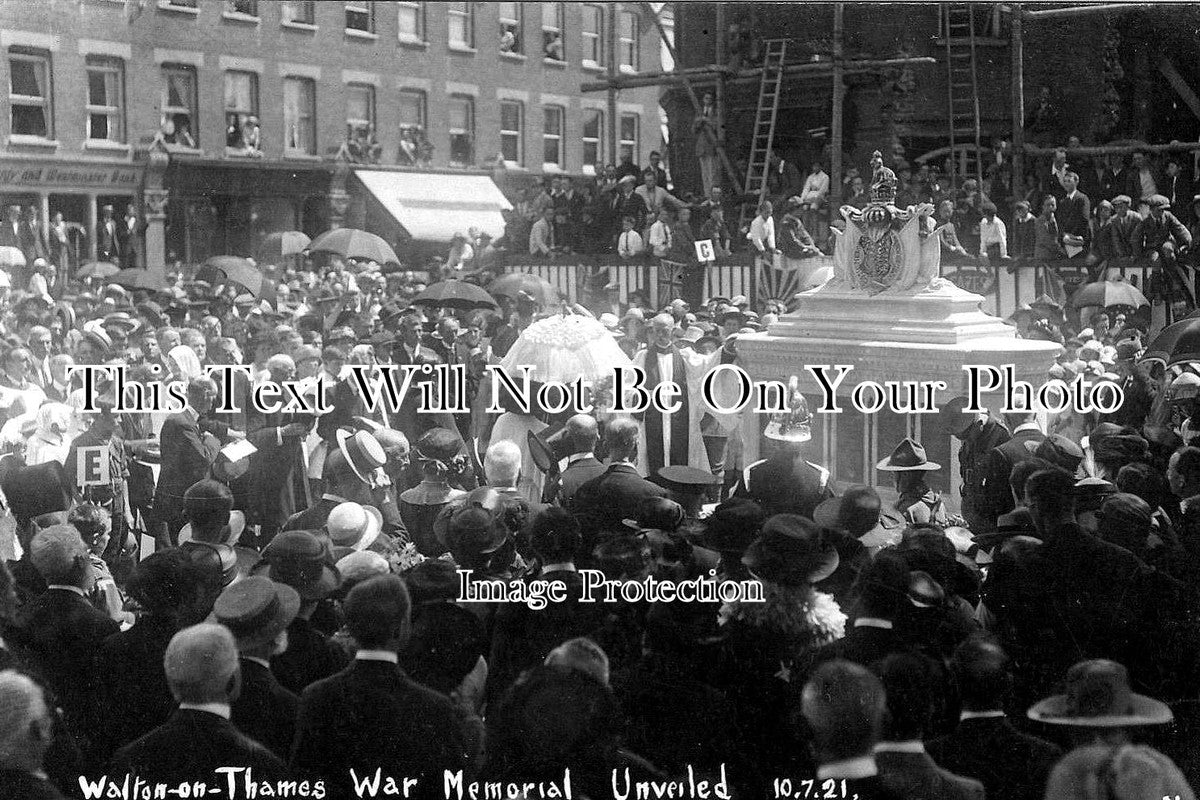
x: 774, y: 53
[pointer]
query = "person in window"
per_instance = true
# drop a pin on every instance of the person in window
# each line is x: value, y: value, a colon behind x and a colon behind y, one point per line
x: 408, y: 148
x: 508, y: 39
x: 233, y: 131
x: 183, y: 133
x: 554, y: 46
x: 251, y: 134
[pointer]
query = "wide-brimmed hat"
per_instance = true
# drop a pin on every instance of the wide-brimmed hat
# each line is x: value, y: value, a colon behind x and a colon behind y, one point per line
x: 795, y: 424
x: 256, y: 609
x: 362, y: 452
x: 1098, y: 696
x: 953, y: 417
x: 301, y: 560
x: 36, y: 490
x: 791, y: 550
x: 733, y: 526
x: 909, y: 455
x: 229, y: 533
x: 856, y: 512
x: 353, y: 526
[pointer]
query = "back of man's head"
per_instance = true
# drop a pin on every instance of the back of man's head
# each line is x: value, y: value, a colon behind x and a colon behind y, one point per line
x: 981, y: 671
x: 1021, y: 472
x: 583, y: 655
x: 201, y: 664
x: 339, y: 475
x: 207, y: 505
x: 554, y: 535
x: 1014, y: 419
x: 582, y: 432
x: 1050, y: 494
x: 502, y: 464
x: 23, y: 740
x: 908, y: 684
x: 843, y: 704
x: 377, y: 612
x: 1188, y: 465
x: 59, y: 554
x: 621, y: 436
x: 882, y: 586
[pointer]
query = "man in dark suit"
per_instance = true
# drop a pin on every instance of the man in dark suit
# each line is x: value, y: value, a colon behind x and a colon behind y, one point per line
x: 59, y: 632
x: 579, y: 436
x: 784, y: 482
x: 1026, y: 436
x: 904, y: 766
x: 279, y: 479
x: 843, y: 704
x: 408, y: 349
x: 129, y: 238
x: 1118, y: 233
x: 108, y: 243
x: 979, y: 434
x: 1179, y: 189
x: 201, y: 664
x: 601, y: 503
x: 873, y: 636
x: 985, y: 746
x: 28, y: 722
x: 257, y: 612
x: 1118, y: 179
x: 186, y: 456
x: 345, y: 481
x: 371, y: 715
x: 1074, y: 209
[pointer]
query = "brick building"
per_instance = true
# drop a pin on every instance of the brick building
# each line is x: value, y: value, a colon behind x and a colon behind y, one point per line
x: 222, y: 120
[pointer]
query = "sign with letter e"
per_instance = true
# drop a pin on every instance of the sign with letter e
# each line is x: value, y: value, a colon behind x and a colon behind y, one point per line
x: 704, y: 251
x: 93, y: 464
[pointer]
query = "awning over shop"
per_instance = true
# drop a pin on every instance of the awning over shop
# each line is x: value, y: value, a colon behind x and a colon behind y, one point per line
x: 434, y: 206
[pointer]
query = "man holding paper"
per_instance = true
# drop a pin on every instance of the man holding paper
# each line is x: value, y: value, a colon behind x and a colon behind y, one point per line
x: 277, y: 471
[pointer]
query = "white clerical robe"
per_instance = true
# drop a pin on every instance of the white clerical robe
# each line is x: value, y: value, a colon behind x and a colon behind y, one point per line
x: 697, y: 366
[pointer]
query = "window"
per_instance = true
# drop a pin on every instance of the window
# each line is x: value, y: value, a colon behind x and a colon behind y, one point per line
x: 177, y: 3
x: 29, y: 94
x: 360, y: 16
x: 627, y: 41
x: 462, y: 24
x: 593, y: 36
x: 552, y: 134
x: 299, y: 117
x: 179, y: 106
x: 411, y: 21
x: 510, y: 133
x: 462, y: 130
x: 298, y: 12
x: 512, y: 33
x: 105, y: 103
x: 360, y: 105
x: 552, y: 31
x: 593, y: 140
x: 629, y: 138
x: 241, y: 111
x: 243, y: 8
x: 414, y: 148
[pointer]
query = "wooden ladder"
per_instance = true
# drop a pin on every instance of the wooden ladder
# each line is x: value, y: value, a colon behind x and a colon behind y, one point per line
x: 962, y: 89
x: 765, y: 117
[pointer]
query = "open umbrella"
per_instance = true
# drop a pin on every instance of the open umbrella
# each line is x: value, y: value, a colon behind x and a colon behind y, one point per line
x: 356, y: 244
x: 543, y: 292
x: 11, y: 257
x: 455, y: 294
x: 1163, y: 345
x: 1106, y: 294
x: 231, y: 269
x: 98, y: 269
x: 565, y: 347
x: 282, y: 244
x: 150, y: 280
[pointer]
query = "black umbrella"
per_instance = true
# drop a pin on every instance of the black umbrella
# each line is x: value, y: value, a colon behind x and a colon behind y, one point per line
x: 455, y: 294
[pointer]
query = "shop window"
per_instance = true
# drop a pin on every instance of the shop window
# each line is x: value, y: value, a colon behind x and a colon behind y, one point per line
x: 179, y: 106
x: 462, y: 130
x: 593, y: 36
x: 411, y: 17
x: 552, y: 32
x: 512, y: 32
x: 629, y: 142
x: 552, y: 138
x: 511, y: 139
x: 461, y: 21
x: 299, y: 117
x: 360, y: 16
x: 105, y: 99
x: 242, y: 134
x: 593, y: 140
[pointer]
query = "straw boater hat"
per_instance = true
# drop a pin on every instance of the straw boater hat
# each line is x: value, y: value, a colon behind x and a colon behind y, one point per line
x: 907, y: 457
x: 1098, y: 696
x: 362, y: 452
x: 352, y: 527
x: 794, y: 425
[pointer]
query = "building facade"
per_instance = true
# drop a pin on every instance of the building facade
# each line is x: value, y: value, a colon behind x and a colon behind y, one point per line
x: 222, y: 120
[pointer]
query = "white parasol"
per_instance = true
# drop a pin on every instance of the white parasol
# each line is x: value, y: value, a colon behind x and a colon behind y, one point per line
x: 565, y: 347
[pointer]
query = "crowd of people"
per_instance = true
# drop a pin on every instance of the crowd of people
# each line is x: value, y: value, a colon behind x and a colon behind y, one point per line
x: 297, y: 610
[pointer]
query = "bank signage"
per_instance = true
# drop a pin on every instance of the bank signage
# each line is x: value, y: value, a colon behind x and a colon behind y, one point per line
x: 69, y: 176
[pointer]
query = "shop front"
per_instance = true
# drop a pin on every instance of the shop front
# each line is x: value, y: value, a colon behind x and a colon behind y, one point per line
x: 77, y: 191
